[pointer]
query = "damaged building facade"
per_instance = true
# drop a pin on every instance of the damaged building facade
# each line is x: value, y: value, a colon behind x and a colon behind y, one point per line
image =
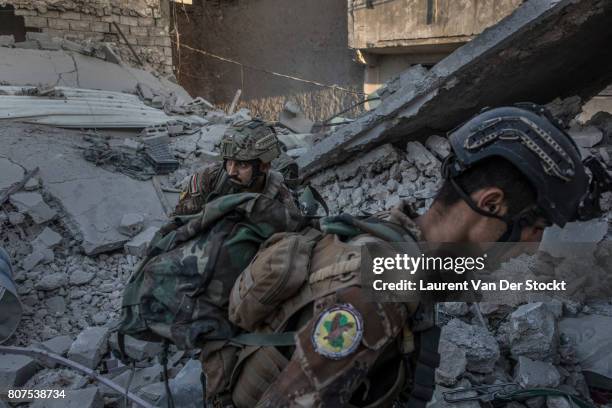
x: 93, y: 159
x: 144, y: 24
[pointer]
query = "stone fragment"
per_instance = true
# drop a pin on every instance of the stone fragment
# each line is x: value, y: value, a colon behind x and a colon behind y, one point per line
x: 422, y: 159
x: 480, y: 347
x: 138, y: 245
x: 57, y: 345
x: 56, y: 306
x: 131, y: 144
x: 89, y: 346
x: 80, y: 277
x: 536, y: 374
x: 439, y: 146
x: 186, y: 388
x: 452, y: 363
x: 51, y: 281
x: 555, y: 240
x: 137, y: 349
x: 32, y: 184
x: 30, y: 261
x: 15, y: 370
x: 533, y: 332
x: 375, y: 160
x: 588, y: 136
x: 131, y: 224
x: 33, y: 205
x: 47, y: 239
x: 89, y: 397
x: 455, y: 309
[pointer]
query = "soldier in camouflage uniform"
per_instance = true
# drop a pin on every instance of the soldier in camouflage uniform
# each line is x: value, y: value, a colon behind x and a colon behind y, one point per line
x: 248, y: 149
x: 512, y: 173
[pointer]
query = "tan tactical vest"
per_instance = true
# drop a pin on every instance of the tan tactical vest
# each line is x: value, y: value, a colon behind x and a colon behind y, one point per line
x: 334, y: 265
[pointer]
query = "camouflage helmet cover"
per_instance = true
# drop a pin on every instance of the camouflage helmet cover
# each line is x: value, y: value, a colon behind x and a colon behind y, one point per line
x: 250, y: 140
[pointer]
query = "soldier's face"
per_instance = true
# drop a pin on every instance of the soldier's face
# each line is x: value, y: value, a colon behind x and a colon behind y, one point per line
x: 240, y: 172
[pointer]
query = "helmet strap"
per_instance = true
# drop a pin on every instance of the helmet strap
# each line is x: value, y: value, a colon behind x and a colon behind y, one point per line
x: 513, y: 225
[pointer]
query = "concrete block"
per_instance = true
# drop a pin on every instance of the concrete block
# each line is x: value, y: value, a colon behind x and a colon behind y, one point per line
x: 15, y: 370
x: 25, y: 12
x: 36, y: 22
x: 59, y: 24
x: 146, y: 21
x: 139, y: 31
x: 89, y: 397
x: 71, y: 15
x: 137, y: 349
x: 28, y: 45
x: 452, y: 363
x: 142, y: 377
x: 80, y: 277
x: 47, y: 239
x: 48, y: 282
x: 139, y: 244
x: 38, y: 256
x: 158, y: 32
x: 536, y: 374
x: 439, y: 146
x: 163, y: 41
x: 80, y: 25
x: 534, y: 332
x: 33, y: 205
x: 480, y: 347
x: 100, y: 27
x: 129, y: 21
x: 58, y: 345
x: 89, y: 346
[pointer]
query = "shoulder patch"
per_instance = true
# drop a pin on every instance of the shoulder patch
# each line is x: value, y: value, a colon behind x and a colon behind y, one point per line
x: 338, y: 331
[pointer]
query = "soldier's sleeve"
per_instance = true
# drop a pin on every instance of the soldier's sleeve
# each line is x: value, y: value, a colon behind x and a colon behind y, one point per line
x: 193, y: 196
x: 335, y: 351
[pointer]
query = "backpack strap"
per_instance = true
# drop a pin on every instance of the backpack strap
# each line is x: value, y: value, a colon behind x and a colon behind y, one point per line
x: 427, y: 361
x: 264, y: 339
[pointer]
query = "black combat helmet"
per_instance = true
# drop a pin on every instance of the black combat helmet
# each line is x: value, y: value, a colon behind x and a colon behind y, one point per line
x: 526, y: 136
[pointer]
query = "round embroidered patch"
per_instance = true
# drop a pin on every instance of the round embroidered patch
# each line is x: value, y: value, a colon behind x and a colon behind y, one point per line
x: 338, y: 331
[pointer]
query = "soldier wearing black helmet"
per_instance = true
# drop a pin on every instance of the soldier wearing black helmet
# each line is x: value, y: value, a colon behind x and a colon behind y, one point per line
x: 511, y: 173
x: 247, y: 151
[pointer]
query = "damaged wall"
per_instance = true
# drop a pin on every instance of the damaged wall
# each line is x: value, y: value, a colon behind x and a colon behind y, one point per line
x: 296, y: 39
x: 143, y: 22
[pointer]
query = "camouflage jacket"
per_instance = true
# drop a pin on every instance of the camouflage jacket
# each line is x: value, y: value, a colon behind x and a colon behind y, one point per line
x: 361, y: 373
x: 213, y: 182
x: 180, y: 291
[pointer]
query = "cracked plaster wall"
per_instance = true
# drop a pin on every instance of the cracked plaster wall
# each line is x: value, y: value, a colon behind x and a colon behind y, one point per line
x: 145, y: 24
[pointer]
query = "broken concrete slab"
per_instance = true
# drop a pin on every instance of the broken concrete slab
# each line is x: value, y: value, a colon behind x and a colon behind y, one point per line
x: 534, y: 332
x: 131, y: 224
x: 293, y: 118
x: 593, y: 351
x: 38, y: 256
x: 80, y: 277
x: 10, y: 173
x: 58, y: 345
x: 480, y: 347
x: 94, y: 199
x: 141, y: 377
x: 136, y: 349
x: 34, y: 205
x: 439, y: 146
x: 139, y: 244
x: 15, y: 370
x: 536, y: 374
x: 89, y: 346
x: 536, y: 48
x: 89, y: 397
x: 47, y: 239
x: 64, y: 68
x: 452, y: 363
x: 186, y: 388
x: 556, y: 241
